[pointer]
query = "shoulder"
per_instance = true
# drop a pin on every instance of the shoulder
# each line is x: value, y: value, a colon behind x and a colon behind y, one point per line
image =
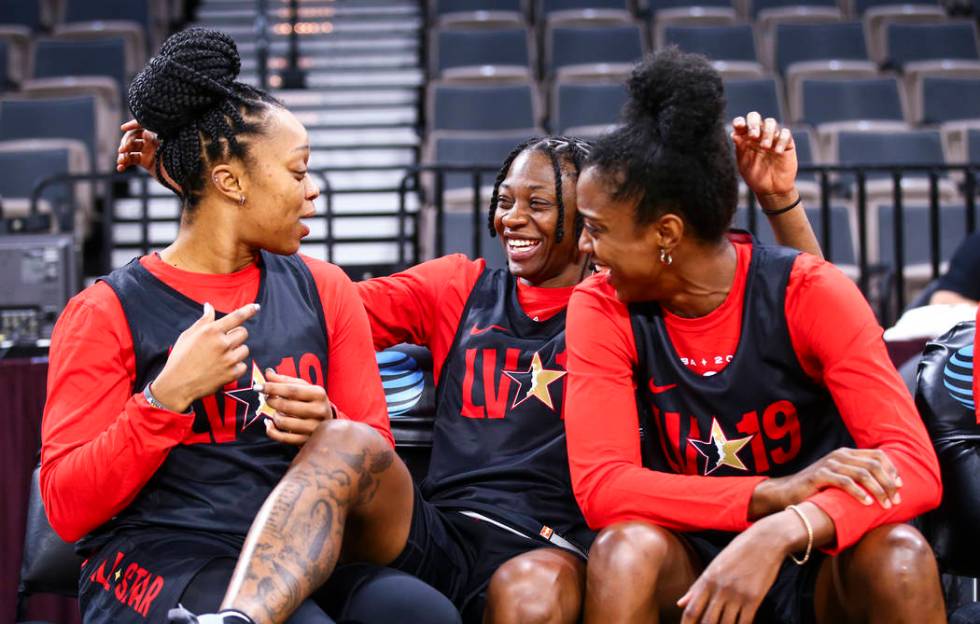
x: 596, y: 289
x: 328, y: 276
x: 812, y: 276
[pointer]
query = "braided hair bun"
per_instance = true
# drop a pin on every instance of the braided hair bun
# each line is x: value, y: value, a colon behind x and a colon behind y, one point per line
x: 193, y: 73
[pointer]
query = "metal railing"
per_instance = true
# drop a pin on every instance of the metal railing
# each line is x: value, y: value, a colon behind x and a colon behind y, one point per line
x: 884, y: 280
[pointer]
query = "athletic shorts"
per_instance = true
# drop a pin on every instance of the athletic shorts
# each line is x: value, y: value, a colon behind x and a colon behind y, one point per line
x: 139, y: 575
x: 457, y: 554
x: 789, y: 601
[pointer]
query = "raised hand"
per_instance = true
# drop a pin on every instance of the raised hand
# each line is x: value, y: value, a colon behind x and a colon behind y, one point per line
x: 766, y: 155
x: 137, y: 147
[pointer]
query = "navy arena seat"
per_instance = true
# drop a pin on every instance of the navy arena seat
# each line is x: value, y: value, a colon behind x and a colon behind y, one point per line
x: 25, y: 163
x: 59, y: 58
x: 910, y: 147
x: 858, y: 8
x: 60, y: 118
x: 827, y: 101
x: 586, y: 109
x: 943, y: 100
x: 469, y: 149
x: 483, y: 107
x: 768, y: 14
x: 842, y: 248
x: 592, y: 51
x: 916, y: 235
x: 743, y: 96
x: 31, y: 14
x: 664, y: 13
x: 482, y: 53
x: 822, y: 50
x: 757, y: 8
x: 503, y: 13
x: 139, y: 12
x: 909, y: 43
x: 554, y: 12
x: 731, y: 48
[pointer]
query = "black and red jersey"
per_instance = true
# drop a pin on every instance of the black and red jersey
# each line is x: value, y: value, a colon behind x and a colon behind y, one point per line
x: 219, y: 476
x: 761, y: 414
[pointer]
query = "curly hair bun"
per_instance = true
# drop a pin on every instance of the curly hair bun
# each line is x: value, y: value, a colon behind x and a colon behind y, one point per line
x: 677, y: 97
x: 193, y: 73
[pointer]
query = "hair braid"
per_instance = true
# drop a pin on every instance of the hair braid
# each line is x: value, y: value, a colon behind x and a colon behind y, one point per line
x: 188, y: 95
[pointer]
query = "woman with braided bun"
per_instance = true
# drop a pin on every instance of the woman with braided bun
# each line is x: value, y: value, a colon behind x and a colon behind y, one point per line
x: 494, y: 525
x: 735, y: 426
x: 181, y: 384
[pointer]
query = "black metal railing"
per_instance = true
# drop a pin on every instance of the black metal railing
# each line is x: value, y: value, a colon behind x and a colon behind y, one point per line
x: 459, y: 193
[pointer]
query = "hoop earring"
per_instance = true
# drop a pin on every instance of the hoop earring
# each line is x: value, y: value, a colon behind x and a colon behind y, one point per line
x: 241, y: 201
x: 665, y: 256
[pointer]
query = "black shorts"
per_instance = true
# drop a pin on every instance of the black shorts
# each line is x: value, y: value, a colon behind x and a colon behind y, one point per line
x: 139, y: 575
x: 458, y: 554
x: 790, y: 599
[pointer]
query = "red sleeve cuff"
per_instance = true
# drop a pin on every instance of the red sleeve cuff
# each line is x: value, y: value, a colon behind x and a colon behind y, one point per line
x: 162, y: 423
x: 840, y: 506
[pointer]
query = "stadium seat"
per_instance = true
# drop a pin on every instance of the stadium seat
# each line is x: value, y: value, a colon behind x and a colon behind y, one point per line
x: 458, y: 237
x: 767, y: 14
x: 500, y: 13
x: 34, y: 15
x: 945, y: 401
x: 597, y: 51
x: 666, y: 13
x: 877, y: 19
x: 916, y: 248
x: 911, y: 147
x: 468, y: 149
x: 948, y: 48
x: 585, y: 109
x: 582, y: 12
x: 76, y: 117
x: 823, y: 101
x: 834, y: 50
x: 944, y: 100
x: 25, y: 163
x: 63, y: 67
x: 730, y: 48
x: 482, y: 54
x: 130, y: 32
x: 760, y: 94
x: 858, y: 8
x: 483, y: 107
x: 139, y: 12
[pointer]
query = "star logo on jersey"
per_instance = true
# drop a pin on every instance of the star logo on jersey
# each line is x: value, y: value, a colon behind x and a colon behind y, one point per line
x: 719, y: 450
x: 255, y: 401
x: 536, y: 379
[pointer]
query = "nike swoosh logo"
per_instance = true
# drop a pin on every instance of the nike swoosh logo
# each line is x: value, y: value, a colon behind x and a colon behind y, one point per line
x: 476, y: 331
x: 654, y: 388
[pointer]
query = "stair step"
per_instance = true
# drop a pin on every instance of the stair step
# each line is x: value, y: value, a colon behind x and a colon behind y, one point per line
x: 360, y: 62
x: 389, y: 116
x: 340, y: 137
x: 306, y: 12
x: 365, y: 180
x: 334, y: 47
x: 246, y: 32
x: 345, y: 98
x: 380, y: 79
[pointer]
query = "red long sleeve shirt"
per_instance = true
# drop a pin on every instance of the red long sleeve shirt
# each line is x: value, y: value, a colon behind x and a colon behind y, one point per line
x: 424, y: 304
x: 102, y: 442
x: 838, y: 343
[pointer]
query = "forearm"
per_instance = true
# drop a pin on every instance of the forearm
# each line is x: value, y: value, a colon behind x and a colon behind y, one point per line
x: 793, y: 535
x: 85, y: 486
x: 791, y: 228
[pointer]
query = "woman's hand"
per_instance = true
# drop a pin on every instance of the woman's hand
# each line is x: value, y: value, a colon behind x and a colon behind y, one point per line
x: 766, y: 157
x: 862, y: 473
x: 734, y: 584
x: 137, y: 147
x: 300, y: 407
x: 207, y: 355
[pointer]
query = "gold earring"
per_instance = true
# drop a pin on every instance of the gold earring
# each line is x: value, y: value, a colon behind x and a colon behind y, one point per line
x: 665, y: 256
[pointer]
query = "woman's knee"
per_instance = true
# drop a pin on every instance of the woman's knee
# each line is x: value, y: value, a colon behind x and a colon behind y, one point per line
x: 537, y: 587
x: 629, y: 548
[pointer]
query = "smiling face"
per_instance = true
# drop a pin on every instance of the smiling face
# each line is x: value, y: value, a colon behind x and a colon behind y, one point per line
x: 278, y: 190
x: 526, y: 220
x: 629, y: 252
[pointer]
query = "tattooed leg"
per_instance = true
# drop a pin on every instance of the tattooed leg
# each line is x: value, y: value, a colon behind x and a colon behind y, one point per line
x: 345, y: 474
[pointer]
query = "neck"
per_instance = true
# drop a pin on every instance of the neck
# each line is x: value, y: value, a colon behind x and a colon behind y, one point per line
x: 206, y: 243
x: 570, y: 275
x: 700, y: 282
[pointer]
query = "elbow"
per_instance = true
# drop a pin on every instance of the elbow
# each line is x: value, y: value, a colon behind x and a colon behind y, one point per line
x: 62, y: 522
x: 593, y: 510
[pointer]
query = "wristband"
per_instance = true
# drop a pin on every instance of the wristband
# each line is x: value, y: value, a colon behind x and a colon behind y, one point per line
x: 809, y: 536
x: 779, y: 211
x: 152, y: 400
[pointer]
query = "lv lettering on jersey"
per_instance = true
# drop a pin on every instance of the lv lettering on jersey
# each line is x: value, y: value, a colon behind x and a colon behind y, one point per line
x: 509, y: 381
